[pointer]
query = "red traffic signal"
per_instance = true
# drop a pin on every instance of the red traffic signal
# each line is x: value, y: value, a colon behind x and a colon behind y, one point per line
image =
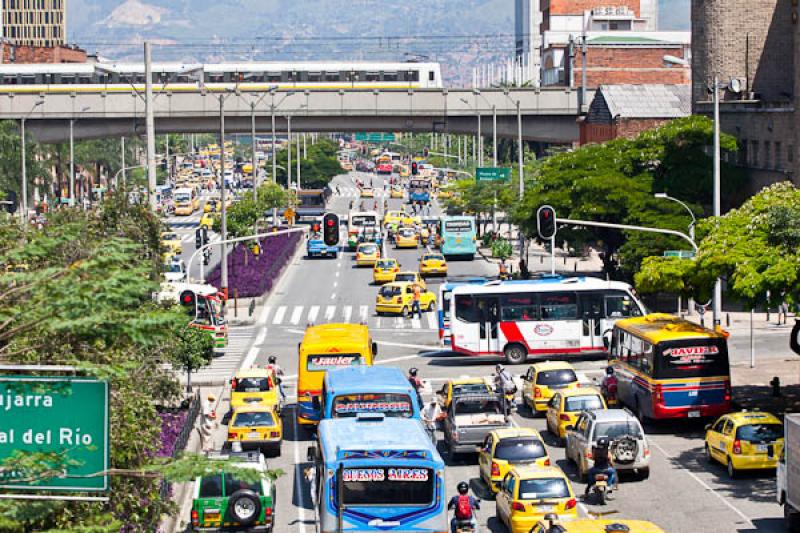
x: 315, y: 227
x: 546, y: 222
x: 414, y: 168
x: 331, y: 231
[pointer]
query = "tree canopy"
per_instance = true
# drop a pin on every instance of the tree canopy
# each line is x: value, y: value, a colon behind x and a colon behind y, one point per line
x: 316, y: 170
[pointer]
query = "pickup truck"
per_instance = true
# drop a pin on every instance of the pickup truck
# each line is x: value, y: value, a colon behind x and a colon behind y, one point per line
x: 318, y: 248
x: 470, y: 418
x: 788, y: 475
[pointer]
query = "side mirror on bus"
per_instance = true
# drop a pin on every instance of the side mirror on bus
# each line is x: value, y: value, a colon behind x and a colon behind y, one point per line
x: 311, y: 454
x: 374, y: 349
x: 606, y: 343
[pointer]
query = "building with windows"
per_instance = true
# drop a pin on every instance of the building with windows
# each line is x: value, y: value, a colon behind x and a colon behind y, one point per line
x: 528, y: 41
x: 36, y: 23
x: 755, y: 60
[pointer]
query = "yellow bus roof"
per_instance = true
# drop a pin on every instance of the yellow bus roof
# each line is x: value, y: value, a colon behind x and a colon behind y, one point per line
x: 661, y: 327
x: 336, y: 333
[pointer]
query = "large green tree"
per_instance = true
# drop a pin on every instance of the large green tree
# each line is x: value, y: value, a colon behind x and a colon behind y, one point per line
x: 316, y: 170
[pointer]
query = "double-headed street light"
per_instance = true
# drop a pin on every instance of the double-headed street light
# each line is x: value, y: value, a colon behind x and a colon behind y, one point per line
x: 24, y: 191
x: 478, y: 147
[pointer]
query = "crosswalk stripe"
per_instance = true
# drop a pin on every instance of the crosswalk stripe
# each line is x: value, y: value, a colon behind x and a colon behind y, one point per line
x: 398, y: 322
x: 262, y: 318
x: 329, y: 312
x: 348, y: 311
x: 362, y: 312
x: 415, y: 323
x: 433, y: 322
x: 312, y: 313
x: 279, y: 315
x: 378, y: 322
x: 296, y: 314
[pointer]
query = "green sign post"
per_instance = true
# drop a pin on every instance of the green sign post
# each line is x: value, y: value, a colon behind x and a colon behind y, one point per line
x: 681, y: 254
x: 493, y: 174
x: 58, y: 415
x: 376, y: 137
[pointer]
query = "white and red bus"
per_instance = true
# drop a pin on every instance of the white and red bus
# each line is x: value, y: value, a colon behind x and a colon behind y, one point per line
x: 543, y: 317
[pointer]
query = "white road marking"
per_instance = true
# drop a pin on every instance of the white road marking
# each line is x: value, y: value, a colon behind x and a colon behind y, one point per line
x: 394, y: 359
x: 433, y: 322
x: 279, y: 315
x: 298, y: 479
x: 188, y: 237
x: 398, y: 322
x: 362, y: 312
x: 312, y: 313
x: 348, y: 311
x: 335, y: 284
x: 337, y: 273
x: 262, y: 318
x: 429, y: 347
x: 333, y: 296
x: 250, y: 358
x: 329, y: 312
x: 296, y: 314
x: 705, y: 485
x: 260, y: 337
x: 378, y: 323
x: 415, y: 323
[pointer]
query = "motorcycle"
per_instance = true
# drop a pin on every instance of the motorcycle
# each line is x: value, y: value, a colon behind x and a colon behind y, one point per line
x: 464, y: 526
x: 609, y: 390
x: 600, y: 488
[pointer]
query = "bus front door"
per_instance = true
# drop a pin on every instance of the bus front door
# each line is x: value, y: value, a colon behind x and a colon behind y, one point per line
x: 592, y: 307
x: 490, y: 324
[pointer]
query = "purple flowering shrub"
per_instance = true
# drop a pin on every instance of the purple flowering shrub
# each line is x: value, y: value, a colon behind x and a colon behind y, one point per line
x: 171, y: 426
x: 255, y: 275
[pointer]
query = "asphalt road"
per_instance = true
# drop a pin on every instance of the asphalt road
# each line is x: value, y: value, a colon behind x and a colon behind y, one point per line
x: 683, y: 494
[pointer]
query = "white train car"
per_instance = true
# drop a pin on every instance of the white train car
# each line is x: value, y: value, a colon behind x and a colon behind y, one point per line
x: 249, y: 76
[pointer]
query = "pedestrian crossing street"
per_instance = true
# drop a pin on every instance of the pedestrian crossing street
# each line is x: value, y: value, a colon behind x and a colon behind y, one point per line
x: 302, y: 315
x: 223, y: 367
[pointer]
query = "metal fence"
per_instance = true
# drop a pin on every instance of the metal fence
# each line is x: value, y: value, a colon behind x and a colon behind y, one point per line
x: 183, y: 437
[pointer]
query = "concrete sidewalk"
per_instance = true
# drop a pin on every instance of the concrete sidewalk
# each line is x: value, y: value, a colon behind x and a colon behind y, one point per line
x: 752, y: 387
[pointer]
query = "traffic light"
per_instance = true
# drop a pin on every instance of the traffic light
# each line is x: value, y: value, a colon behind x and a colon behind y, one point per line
x: 414, y: 168
x: 330, y: 228
x: 546, y: 222
x: 315, y: 227
x: 189, y: 300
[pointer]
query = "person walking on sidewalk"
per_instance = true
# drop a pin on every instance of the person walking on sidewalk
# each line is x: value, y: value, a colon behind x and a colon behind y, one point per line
x: 415, y: 303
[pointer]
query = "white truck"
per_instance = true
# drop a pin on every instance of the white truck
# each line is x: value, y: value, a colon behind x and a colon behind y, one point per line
x: 788, y: 476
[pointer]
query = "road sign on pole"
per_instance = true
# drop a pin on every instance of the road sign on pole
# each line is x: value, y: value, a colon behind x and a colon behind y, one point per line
x: 681, y: 254
x: 376, y: 137
x: 493, y: 174
x: 63, y: 416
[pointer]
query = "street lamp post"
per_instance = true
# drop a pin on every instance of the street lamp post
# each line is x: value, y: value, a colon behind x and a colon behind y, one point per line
x: 717, y: 301
x: 72, y: 158
x: 223, y: 213
x: 24, y: 151
x: 289, y: 153
x: 254, y: 171
x: 150, y: 127
x: 494, y: 135
x: 122, y: 158
x: 520, y: 153
x: 665, y: 196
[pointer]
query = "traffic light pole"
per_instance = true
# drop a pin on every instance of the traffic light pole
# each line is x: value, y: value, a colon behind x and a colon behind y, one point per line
x: 592, y: 223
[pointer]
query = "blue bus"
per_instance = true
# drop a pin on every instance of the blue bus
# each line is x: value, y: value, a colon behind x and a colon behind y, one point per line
x: 457, y: 237
x: 419, y: 190
x: 373, y: 473
x: 443, y: 304
x: 346, y: 392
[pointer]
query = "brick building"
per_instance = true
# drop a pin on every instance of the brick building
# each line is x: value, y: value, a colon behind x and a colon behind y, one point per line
x: 628, y: 110
x: 752, y: 48
x: 12, y: 53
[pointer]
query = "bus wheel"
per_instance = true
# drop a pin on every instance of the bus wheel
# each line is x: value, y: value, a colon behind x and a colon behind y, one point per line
x: 515, y: 354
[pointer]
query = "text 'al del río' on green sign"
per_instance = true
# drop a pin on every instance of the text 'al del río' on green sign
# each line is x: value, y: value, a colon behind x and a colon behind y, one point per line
x: 493, y: 174
x: 63, y: 418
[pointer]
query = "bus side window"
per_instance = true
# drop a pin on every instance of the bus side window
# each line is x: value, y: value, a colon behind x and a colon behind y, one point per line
x: 466, y: 309
x: 647, y: 359
x: 635, y: 351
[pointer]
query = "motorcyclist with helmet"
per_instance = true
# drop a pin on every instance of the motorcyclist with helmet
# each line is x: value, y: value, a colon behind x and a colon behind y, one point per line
x: 463, y: 506
x: 603, y: 464
x: 415, y: 382
x: 609, y: 387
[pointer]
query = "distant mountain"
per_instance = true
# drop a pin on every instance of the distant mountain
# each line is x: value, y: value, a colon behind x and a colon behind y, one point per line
x: 457, y: 33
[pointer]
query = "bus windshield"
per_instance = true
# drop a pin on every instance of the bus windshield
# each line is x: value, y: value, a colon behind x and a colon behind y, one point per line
x: 349, y: 405
x: 388, y: 486
x: 182, y: 198
x: 692, y: 358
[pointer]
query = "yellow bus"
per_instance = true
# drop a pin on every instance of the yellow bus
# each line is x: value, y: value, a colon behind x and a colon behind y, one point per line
x: 326, y: 347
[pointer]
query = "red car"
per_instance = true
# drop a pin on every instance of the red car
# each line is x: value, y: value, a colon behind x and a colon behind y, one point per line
x: 384, y: 168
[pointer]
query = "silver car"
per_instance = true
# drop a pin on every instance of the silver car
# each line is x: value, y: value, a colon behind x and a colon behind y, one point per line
x: 629, y: 448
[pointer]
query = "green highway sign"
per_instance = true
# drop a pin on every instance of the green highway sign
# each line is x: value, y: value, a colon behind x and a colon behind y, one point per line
x: 57, y: 415
x: 493, y: 174
x: 376, y: 137
x: 682, y: 254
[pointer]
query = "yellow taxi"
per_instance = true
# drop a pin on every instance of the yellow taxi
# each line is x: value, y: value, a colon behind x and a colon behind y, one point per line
x: 367, y: 192
x: 385, y: 270
x: 393, y: 217
x: 565, y: 406
x: 409, y: 277
x: 207, y: 220
x: 505, y: 448
x: 256, y: 426
x: 747, y: 440
x: 171, y: 242
x: 432, y: 264
x: 543, y: 380
x: 403, y: 171
x: 397, y: 192
x: 527, y: 493
x: 460, y: 386
x: 406, y: 238
x: 589, y: 525
x: 444, y: 193
x: 411, y: 221
x: 396, y: 298
x: 210, y: 206
x: 254, y: 387
x: 367, y: 254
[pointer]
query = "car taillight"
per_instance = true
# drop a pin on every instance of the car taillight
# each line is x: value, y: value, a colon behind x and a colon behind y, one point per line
x: 232, y: 435
x: 737, y: 447
x: 537, y: 392
x: 564, y: 417
x: 547, y: 462
x: 658, y: 394
x: 234, y: 383
x: 274, y: 434
x: 517, y: 506
x: 195, y: 518
x: 399, y: 299
x: 268, y: 511
x: 577, y: 384
x: 571, y: 503
x: 495, y: 469
x: 727, y: 391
